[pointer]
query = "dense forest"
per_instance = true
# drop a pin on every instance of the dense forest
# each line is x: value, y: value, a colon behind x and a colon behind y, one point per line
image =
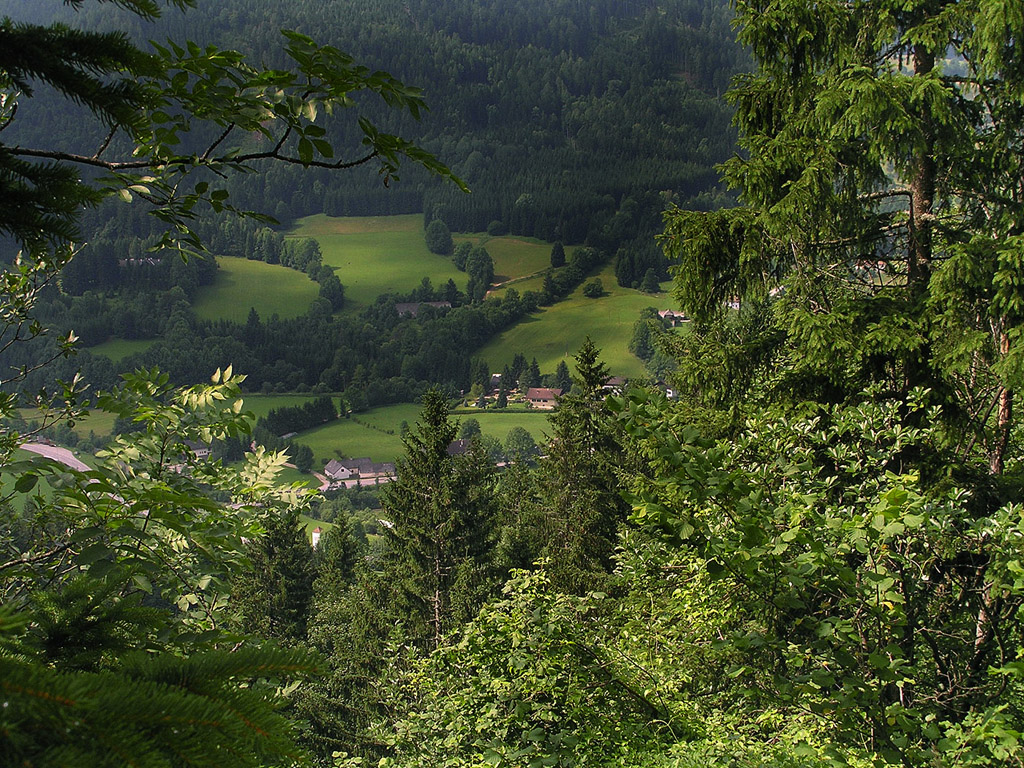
x: 596, y: 118
x: 570, y: 121
x: 813, y: 556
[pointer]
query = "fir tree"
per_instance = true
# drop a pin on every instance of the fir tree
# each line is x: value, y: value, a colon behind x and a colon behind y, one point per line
x: 275, y: 594
x: 557, y: 255
x: 563, y: 380
x: 439, y: 516
x: 579, y: 481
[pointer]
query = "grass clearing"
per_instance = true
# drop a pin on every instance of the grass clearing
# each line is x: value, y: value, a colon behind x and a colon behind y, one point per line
x: 261, y: 405
x: 377, y: 254
x: 118, y: 349
x: 242, y: 284
x: 498, y: 424
x: 351, y: 440
x: 555, y: 333
x: 376, y: 433
x: 514, y: 257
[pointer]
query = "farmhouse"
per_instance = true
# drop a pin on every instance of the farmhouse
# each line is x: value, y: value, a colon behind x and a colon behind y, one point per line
x: 614, y: 385
x: 412, y: 308
x: 543, y: 398
x: 673, y: 318
x: 351, y: 473
x: 458, y: 447
x: 199, y: 450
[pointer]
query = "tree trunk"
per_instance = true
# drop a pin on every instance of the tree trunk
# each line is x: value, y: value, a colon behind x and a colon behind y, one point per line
x: 922, y: 189
x: 1004, y: 416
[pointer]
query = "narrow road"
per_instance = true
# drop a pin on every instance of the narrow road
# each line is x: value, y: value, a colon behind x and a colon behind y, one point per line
x: 63, y: 455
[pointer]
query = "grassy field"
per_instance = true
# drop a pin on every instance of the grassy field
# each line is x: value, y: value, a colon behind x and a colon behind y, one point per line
x: 377, y: 254
x: 513, y: 256
x: 498, y: 424
x: 351, y: 440
x: 369, y: 436
x: 556, y: 332
x: 242, y: 284
x: 118, y: 349
x: 535, y: 284
x: 261, y: 405
x: 97, y: 422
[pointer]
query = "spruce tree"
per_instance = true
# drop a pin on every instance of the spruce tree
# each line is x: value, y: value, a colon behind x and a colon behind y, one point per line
x: 438, y: 515
x: 579, y: 481
x: 275, y: 593
x: 563, y: 379
x: 880, y: 210
x: 557, y: 255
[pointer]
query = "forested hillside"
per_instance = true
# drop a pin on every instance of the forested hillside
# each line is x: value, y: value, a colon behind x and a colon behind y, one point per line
x: 572, y: 122
x: 555, y: 113
x: 812, y: 555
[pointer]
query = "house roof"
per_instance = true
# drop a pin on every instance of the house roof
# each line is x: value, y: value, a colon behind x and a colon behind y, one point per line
x: 458, y: 447
x: 334, y: 467
x: 412, y: 308
x: 543, y: 393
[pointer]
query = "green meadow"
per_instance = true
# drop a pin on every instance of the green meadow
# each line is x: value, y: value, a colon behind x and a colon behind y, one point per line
x: 498, y: 424
x: 514, y: 257
x: 376, y: 433
x: 118, y: 349
x: 555, y: 333
x: 346, y: 438
x: 260, y: 405
x: 242, y: 284
x: 377, y: 254
x: 98, y: 422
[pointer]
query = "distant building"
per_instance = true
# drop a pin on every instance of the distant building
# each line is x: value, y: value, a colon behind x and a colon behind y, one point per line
x: 199, y: 450
x: 458, y: 447
x: 314, y: 537
x: 615, y: 385
x: 543, y: 398
x: 673, y: 318
x: 351, y: 473
x: 412, y: 308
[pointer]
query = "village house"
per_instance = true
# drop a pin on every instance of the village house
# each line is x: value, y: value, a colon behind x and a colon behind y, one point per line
x: 351, y: 473
x: 672, y: 318
x: 412, y: 308
x: 543, y: 398
x: 614, y: 385
x: 199, y: 450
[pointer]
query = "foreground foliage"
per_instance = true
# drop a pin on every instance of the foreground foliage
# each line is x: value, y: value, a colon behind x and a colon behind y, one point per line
x: 117, y: 641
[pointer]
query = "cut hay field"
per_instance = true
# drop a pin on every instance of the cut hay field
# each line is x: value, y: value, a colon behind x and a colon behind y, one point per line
x: 377, y: 254
x: 260, y: 405
x: 555, y: 333
x: 242, y: 284
x: 99, y: 423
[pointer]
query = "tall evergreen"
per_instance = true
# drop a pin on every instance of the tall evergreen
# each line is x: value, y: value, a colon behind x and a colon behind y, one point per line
x: 583, y: 506
x: 881, y: 210
x: 438, y: 527
x: 275, y: 593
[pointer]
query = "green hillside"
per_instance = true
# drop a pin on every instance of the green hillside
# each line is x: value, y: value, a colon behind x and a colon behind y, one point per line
x: 376, y: 433
x: 556, y: 332
x: 377, y: 254
x: 242, y: 284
